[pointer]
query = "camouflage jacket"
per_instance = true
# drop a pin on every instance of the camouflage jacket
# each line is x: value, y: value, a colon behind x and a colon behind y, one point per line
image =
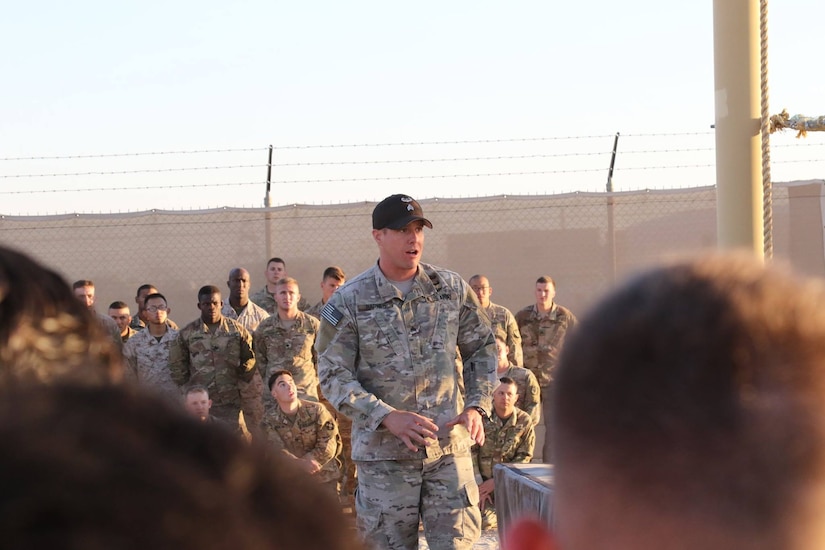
x: 505, y: 324
x: 129, y: 333
x: 250, y: 316
x: 139, y: 325
x: 219, y: 361
x: 315, y: 310
x: 529, y: 392
x: 509, y: 440
x: 266, y: 300
x: 379, y: 351
x: 110, y: 328
x: 147, y: 362
x: 310, y: 433
x: 542, y: 339
x: 290, y: 348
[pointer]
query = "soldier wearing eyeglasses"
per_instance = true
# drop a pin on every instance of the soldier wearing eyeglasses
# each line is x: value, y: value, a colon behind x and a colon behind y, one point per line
x: 147, y: 351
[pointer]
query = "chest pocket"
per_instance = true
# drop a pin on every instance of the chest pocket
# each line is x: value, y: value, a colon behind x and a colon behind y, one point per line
x: 380, y: 339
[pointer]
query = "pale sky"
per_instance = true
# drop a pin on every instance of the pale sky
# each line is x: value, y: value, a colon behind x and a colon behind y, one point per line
x: 515, y: 89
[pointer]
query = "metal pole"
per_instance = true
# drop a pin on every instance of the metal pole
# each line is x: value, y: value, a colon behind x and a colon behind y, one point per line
x: 268, y: 196
x: 612, y: 164
x: 738, y: 154
x: 268, y: 204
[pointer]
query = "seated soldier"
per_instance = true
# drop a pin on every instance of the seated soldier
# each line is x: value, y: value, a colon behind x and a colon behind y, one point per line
x: 508, y: 438
x: 303, y: 431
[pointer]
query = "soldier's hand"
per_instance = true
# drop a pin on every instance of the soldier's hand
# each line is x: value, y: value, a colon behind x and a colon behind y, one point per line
x: 470, y: 419
x: 411, y: 428
x: 485, y: 493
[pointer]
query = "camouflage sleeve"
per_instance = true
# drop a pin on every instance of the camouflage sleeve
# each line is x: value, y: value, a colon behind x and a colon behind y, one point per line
x: 516, y: 356
x: 246, y: 367
x: 532, y: 397
x: 326, y: 444
x: 179, y: 359
x: 478, y: 350
x: 259, y: 349
x: 337, y: 348
x: 273, y: 442
x: 524, y: 452
x: 130, y: 372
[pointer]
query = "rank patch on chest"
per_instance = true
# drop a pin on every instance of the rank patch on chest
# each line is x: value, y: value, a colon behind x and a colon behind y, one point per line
x: 331, y: 314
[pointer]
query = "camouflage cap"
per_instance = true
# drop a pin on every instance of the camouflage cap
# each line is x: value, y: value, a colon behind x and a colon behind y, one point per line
x: 396, y: 211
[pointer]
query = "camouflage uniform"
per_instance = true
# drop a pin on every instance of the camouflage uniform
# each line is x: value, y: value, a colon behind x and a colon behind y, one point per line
x: 529, y: 393
x: 311, y: 432
x: 222, y: 361
x: 129, y: 333
x: 147, y: 362
x: 378, y: 352
x: 250, y: 317
x: 507, y: 440
x: 137, y: 325
x: 110, y: 327
x: 541, y: 340
x: 290, y: 348
x: 505, y: 324
x: 266, y: 300
x: 315, y: 310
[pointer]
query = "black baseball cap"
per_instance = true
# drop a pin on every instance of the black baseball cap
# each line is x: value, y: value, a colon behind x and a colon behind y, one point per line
x: 396, y: 211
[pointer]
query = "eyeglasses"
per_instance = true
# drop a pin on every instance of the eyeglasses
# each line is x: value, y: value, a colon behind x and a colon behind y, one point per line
x: 155, y: 309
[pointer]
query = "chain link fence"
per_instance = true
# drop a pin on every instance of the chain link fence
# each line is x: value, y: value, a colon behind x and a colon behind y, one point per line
x: 585, y: 241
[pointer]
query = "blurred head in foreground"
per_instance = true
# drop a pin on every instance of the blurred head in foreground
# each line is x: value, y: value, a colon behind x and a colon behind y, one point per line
x: 99, y: 467
x: 45, y: 332
x: 690, y: 413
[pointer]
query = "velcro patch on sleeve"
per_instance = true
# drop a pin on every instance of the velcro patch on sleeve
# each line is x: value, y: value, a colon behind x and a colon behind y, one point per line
x: 331, y: 314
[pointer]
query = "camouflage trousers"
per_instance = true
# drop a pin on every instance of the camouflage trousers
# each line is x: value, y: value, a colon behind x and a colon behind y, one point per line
x: 394, y: 496
x: 547, y: 419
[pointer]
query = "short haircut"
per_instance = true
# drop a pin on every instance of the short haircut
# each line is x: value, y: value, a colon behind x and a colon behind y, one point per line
x: 507, y: 380
x: 334, y: 272
x: 82, y: 283
x: 276, y: 260
x: 144, y: 286
x: 546, y: 279
x: 118, y: 305
x: 287, y: 281
x: 195, y: 388
x: 208, y: 290
x: 695, y: 391
x: 157, y: 295
x: 190, y: 485
x: 275, y: 375
x: 46, y: 334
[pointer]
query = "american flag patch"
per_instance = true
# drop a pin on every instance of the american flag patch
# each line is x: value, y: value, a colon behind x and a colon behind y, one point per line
x: 331, y: 314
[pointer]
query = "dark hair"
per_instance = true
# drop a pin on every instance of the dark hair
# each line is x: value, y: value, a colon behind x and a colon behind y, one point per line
x: 696, y: 389
x: 334, y: 272
x: 118, y: 305
x: 277, y: 260
x: 144, y: 286
x: 82, y: 283
x: 208, y: 290
x: 274, y: 376
x: 45, y: 333
x: 157, y: 295
x: 506, y: 380
x: 190, y: 485
x: 546, y: 279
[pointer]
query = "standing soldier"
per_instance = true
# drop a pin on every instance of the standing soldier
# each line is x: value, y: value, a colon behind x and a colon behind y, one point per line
x: 119, y: 312
x: 285, y: 341
x: 84, y: 291
x: 238, y: 306
x: 275, y: 271
x: 387, y: 359
x: 216, y: 352
x: 332, y: 280
x: 543, y: 327
x: 500, y: 317
x: 147, y: 352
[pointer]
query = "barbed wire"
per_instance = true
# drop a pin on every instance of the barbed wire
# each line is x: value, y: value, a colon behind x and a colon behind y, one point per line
x: 138, y: 171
